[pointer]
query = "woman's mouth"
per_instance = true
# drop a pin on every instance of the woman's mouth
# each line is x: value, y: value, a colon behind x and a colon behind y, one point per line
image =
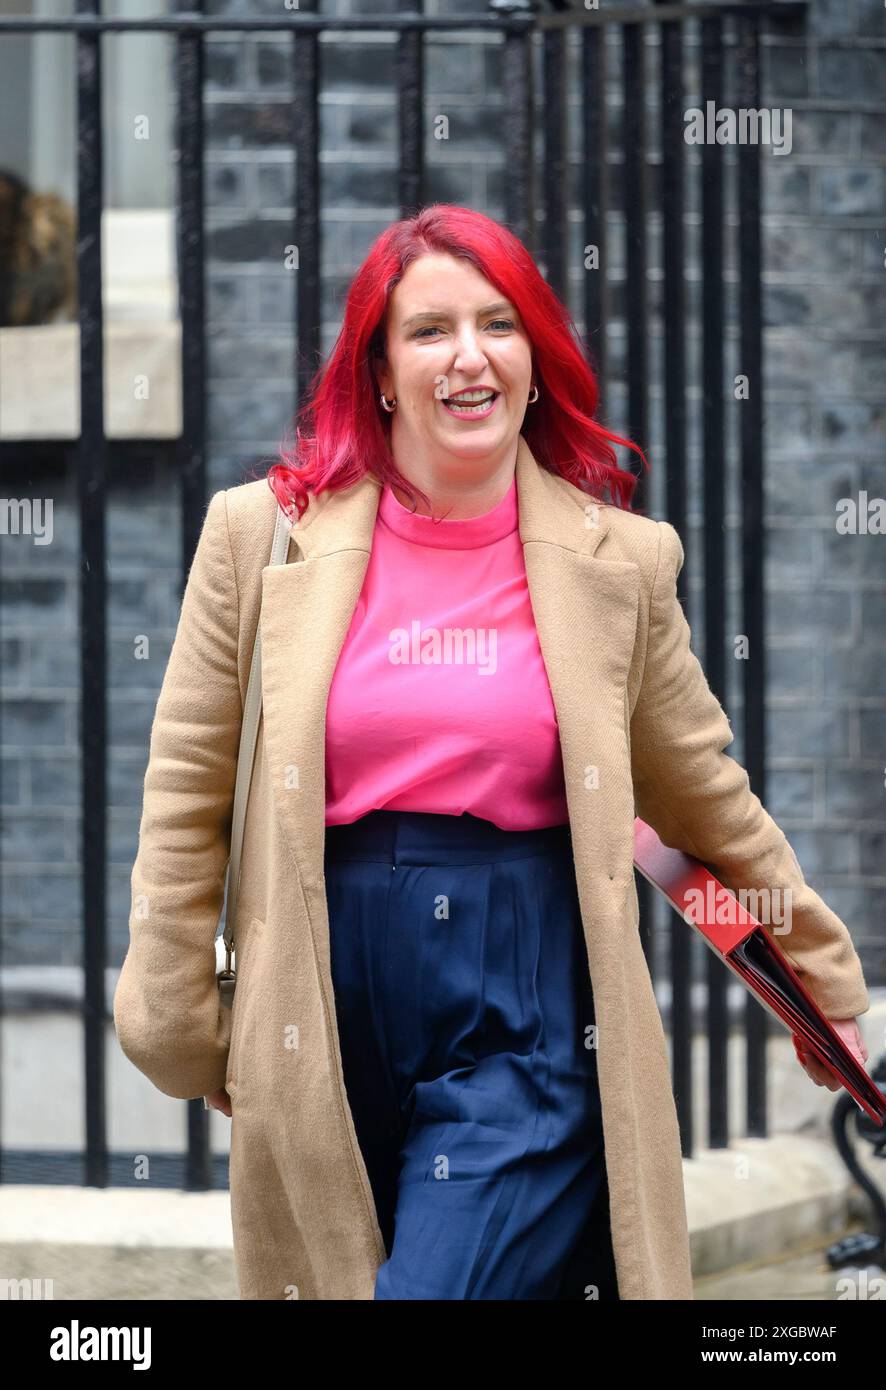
x: 471, y: 405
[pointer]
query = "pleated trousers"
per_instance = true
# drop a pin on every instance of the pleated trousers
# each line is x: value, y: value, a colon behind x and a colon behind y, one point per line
x: 466, y: 1022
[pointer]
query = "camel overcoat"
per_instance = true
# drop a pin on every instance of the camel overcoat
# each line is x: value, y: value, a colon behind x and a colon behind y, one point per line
x: 641, y: 733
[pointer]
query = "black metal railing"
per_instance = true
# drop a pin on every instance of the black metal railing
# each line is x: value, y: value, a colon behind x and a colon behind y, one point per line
x: 729, y: 34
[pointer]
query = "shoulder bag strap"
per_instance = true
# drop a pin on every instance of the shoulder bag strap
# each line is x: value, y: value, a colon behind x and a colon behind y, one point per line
x: 245, y: 762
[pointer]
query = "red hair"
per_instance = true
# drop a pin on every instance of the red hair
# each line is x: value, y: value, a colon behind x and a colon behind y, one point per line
x: 342, y: 433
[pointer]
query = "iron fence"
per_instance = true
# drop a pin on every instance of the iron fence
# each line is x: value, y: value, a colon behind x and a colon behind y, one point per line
x: 536, y: 113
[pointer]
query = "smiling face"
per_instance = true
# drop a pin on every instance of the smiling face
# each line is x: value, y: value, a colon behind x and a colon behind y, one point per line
x: 451, y: 334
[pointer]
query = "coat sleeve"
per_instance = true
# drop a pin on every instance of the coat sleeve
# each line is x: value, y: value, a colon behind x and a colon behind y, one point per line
x: 698, y: 799
x: 166, y: 1009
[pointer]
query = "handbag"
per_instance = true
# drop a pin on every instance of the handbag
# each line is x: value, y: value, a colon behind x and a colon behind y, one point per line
x: 226, y: 973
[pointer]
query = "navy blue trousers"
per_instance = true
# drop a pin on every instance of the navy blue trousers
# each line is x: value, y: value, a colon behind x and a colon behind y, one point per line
x: 465, y: 1017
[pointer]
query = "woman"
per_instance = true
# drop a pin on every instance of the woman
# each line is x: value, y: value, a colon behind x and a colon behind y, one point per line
x: 446, y: 1069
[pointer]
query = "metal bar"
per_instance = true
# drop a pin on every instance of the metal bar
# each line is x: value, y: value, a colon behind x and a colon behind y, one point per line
x: 555, y: 169
x: 189, y: 56
x: 635, y: 301
x: 596, y: 195
x: 517, y: 20
x: 752, y: 520
x: 515, y: 17
x: 46, y: 454
x: 713, y: 475
x: 671, y: 92
x: 91, y: 481
x: 508, y: 16
x: 634, y: 149
x: 674, y: 270
x: 411, y: 92
x: 779, y: 10
x: 306, y: 135
x: 189, y: 139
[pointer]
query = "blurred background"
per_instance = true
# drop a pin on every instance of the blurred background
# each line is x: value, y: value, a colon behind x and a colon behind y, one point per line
x: 183, y: 201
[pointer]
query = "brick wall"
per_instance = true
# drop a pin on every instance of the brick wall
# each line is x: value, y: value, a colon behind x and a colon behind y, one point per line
x: 825, y: 351
x: 824, y: 246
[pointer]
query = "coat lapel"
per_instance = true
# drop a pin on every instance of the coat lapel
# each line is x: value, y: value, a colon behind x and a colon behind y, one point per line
x: 585, y: 609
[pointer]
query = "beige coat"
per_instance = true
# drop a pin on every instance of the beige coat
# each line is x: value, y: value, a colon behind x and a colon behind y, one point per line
x: 641, y: 733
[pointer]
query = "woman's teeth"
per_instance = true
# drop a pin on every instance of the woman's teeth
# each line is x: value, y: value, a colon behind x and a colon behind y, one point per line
x: 473, y: 404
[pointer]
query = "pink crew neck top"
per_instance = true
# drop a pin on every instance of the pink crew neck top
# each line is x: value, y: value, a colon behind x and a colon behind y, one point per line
x: 440, y: 698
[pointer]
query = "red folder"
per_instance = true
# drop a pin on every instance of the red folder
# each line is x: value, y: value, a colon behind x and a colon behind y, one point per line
x: 754, y: 955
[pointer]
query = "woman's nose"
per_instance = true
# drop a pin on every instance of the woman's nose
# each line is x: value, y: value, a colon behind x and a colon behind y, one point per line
x: 469, y: 355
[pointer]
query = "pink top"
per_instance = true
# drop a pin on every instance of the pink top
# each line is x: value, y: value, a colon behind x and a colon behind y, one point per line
x: 440, y: 699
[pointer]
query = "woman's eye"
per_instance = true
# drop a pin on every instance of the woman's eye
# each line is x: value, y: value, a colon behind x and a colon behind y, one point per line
x: 432, y: 328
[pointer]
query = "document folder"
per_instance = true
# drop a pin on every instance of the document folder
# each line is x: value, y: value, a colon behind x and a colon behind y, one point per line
x: 752, y: 952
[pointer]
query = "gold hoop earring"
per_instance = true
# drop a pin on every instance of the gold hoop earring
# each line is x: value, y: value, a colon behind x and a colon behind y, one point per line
x: 389, y: 408
x: 532, y: 399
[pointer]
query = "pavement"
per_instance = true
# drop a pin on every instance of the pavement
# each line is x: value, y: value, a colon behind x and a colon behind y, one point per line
x: 761, y: 1216
x: 761, y: 1212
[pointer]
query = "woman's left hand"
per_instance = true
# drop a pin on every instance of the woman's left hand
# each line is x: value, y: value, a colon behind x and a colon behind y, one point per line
x: 850, y: 1032
x: 219, y: 1100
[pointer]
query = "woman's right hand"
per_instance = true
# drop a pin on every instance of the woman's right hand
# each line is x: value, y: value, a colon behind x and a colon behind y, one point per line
x: 851, y: 1035
x: 218, y: 1100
